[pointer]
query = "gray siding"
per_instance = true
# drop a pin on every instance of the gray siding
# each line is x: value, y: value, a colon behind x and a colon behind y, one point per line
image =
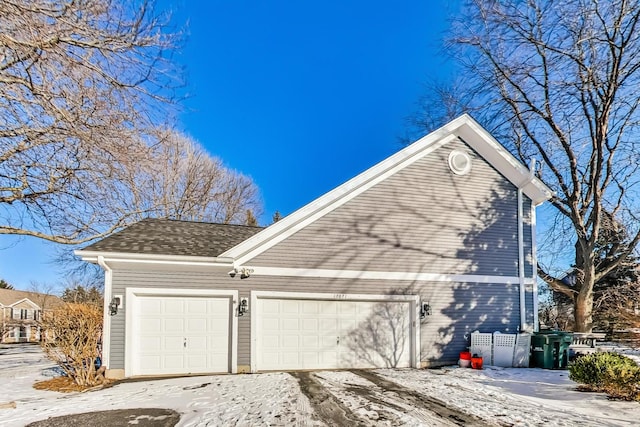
x: 528, y: 299
x: 457, y: 308
x: 422, y: 219
x: 528, y: 237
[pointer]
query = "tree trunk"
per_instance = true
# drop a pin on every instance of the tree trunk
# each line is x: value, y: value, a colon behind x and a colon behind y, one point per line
x: 583, y: 302
x: 583, y: 313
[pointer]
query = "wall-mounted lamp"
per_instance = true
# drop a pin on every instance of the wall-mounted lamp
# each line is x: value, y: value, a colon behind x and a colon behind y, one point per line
x: 243, y: 307
x: 115, y: 303
x: 244, y: 272
x: 425, y: 310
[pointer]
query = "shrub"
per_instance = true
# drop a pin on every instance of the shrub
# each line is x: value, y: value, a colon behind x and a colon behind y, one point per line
x: 612, y: 373
x: 71, y: 340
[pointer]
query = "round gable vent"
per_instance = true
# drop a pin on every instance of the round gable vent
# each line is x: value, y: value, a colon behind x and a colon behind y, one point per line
x: 459, y: 162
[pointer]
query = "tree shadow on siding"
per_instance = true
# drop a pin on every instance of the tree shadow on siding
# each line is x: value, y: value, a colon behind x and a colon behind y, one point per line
x: 484, y: 306
x: 381, y: 340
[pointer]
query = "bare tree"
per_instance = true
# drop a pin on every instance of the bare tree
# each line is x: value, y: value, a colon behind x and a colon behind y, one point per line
x: 79, y: 82
x: 178, y: 179
x: 558, y: 81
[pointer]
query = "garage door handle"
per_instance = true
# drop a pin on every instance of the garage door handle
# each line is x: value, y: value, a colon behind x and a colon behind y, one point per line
x: 185, y: 343
x: 337, y: 340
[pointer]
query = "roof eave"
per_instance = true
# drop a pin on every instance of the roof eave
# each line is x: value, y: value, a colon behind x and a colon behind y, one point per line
x: 92, y: 256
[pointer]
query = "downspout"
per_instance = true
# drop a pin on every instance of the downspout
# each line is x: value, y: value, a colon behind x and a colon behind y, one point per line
x: 534, y: 262
x: 106, y: 318
x: 523, y: 311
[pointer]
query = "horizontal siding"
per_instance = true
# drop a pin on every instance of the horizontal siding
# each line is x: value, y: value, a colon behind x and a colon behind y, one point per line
x: 457, y: 308
x: 422, y: 219
x: 527, y: 237
x: 123, y: 279
x: 528, y: 299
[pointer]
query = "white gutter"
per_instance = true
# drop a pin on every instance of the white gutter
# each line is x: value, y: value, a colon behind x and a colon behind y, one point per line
x: 92, y: 256
x: 106, y: 317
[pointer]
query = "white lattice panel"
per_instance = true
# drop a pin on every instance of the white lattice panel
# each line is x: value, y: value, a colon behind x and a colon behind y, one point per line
x: 503, y: 347
x: 522, y: 351
x: 481, y: 345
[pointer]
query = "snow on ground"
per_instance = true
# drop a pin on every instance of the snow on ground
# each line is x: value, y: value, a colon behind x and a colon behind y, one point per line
x: 501, y: 396
x: 518, y: 396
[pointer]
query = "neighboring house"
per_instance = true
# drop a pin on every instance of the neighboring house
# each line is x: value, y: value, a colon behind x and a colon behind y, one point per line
x: 21, y: 312
x: 396, y: 267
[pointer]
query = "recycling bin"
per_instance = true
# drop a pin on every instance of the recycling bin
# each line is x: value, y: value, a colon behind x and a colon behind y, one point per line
x: 545, y: 350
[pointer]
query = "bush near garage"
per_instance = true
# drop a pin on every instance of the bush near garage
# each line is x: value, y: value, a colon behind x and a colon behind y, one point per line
x: 71, y: 336
x: 612, y: 373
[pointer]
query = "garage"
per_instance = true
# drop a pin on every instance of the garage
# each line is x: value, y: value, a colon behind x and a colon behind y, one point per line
x: 181, y: 333
x: 324, y: 331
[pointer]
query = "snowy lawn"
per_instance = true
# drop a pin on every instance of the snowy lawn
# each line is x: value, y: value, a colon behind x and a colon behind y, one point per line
x: 522, y: 397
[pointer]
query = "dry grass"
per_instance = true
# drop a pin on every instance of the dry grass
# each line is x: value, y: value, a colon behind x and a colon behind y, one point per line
x: 65, y: 385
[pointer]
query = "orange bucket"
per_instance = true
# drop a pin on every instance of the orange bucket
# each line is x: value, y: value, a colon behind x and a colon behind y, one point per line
x: 476, y: 363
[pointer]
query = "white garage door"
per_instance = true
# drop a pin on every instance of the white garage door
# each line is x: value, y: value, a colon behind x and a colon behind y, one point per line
x: 180, y: 335
x: 332, y: 334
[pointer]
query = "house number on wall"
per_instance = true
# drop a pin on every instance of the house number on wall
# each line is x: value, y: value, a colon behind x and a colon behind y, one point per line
x: 340, y: 296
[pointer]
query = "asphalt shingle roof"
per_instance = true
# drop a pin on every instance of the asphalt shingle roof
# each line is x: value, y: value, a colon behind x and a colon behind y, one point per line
x: 172, y: 237
x: 45, y: 301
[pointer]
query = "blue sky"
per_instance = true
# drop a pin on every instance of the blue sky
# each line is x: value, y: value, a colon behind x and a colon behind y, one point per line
x: 299, y: 95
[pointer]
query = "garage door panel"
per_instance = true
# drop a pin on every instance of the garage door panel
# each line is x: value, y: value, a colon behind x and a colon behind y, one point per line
x: 181, y: 334
x: 289, y: 324
x: 173, y: 325
x: 340, y: 333
x: 310, y: 341
x: 290, y: 341
x: 310, y: 307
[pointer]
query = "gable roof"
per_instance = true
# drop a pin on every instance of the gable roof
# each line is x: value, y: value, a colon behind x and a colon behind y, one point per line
x: 9, y: 297
x: 154, y: 236
x: 464, y: 128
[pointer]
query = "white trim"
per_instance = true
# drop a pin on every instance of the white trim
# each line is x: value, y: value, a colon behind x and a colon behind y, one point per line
x: 521, y: 287
x: 25, y: 300
x: 93, y: 256
x: 534, y: 262
x: 463, y: 127
x: 332, y: 200
x: 106, y: 316
x: 415, y: 323
x: 380, y: 275
x: 132, y: 293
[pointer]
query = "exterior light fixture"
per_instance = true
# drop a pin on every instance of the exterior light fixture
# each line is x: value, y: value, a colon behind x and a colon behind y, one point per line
x: 114, y: 305
x: 425, y: 310
x: 243, y: 307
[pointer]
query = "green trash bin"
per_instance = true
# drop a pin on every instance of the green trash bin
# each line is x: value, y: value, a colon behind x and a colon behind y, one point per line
x: 566, y: 339
x: 545, y: 350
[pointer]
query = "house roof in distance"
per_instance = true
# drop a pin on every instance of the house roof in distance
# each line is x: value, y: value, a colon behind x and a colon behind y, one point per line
x: 9, y: 297
x: 153, y: 236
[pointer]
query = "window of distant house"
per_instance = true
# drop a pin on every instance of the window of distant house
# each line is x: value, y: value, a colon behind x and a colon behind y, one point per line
x: 459, y: 162
x: 23, y: 332
x: 24, y: 314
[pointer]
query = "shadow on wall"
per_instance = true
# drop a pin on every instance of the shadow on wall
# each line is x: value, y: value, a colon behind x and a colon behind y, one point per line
x: 381, y: 340
x: 484, y: 307
x: 422, y: 220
